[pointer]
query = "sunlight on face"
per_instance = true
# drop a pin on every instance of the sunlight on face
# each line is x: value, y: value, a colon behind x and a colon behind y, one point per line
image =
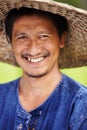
x: 36, y: 45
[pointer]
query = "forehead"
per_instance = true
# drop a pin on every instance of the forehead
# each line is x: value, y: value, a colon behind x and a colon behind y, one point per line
x: 33, y: 22
x: 33, y: 17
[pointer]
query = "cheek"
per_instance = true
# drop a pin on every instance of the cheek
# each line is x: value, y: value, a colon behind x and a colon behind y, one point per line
x: 55, y: 51
x: 17, y: 49
x: 53, y: 47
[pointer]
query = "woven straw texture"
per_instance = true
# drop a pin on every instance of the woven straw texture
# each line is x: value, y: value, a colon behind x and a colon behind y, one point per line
x: 74, y: 53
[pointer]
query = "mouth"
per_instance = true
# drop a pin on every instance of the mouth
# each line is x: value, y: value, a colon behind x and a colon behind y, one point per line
x: 34, y: 59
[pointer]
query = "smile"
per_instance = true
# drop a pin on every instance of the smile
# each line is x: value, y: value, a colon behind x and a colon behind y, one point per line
x: 36, y: 60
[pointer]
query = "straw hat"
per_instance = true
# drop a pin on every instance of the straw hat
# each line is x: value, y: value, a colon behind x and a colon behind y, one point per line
x: 75, y: 51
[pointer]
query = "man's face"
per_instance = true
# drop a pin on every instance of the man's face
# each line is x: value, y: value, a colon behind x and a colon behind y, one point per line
x: 36, y: 45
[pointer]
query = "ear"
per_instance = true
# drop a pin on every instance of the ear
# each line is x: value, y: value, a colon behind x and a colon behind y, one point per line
x: 63, y: 39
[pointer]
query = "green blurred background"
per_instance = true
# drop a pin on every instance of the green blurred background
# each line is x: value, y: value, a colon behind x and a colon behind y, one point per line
x: 9, y: 72
x: 77, y: 3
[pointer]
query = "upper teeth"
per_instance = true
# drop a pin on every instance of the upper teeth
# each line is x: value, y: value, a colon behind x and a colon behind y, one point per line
x: 35, y: 59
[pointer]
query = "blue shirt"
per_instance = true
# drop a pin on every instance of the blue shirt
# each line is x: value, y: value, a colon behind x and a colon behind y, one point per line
x: 65, y: 108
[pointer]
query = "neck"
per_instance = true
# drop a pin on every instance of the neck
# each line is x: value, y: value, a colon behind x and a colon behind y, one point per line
x: 34, y: 91
x: 39, y: 85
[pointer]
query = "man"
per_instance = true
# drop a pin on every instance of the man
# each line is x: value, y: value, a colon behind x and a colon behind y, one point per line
x: 43, y: 98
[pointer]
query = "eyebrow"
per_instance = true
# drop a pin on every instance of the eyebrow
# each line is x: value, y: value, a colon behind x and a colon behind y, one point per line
x: 40, y: 32
x: 45, y: 31
x: 18, y: 34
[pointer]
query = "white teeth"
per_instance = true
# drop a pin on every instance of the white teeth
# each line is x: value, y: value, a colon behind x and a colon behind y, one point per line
x: 35, y: 60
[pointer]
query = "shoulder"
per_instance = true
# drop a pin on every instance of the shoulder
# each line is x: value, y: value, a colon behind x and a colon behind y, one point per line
x: 78, y: 91
x: 74, y: 86
x: 5, y: 87
x: 79, y: 102
x: 8, y: 100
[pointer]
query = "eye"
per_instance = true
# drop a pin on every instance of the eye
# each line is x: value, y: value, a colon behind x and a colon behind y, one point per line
x: 22, y: 37
x: 43, y: 36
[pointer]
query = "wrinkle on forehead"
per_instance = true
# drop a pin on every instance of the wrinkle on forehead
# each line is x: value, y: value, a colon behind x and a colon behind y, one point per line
x: 33, y: 24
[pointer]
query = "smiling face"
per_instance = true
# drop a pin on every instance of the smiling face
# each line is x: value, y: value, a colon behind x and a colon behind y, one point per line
x: 36, y: 44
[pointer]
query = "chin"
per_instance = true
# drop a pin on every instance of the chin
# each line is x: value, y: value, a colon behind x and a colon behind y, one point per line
x: 36, y: 75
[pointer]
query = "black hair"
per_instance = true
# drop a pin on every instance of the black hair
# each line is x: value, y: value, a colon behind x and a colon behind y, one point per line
x: 59, y: 21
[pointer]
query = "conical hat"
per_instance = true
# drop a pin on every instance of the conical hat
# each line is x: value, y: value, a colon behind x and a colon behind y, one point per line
x: 74, y: 53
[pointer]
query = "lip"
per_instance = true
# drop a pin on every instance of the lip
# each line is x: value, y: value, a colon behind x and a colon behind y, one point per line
x: 35, y: 62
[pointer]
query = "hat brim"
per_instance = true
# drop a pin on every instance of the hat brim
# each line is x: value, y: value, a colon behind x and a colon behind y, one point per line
x: 74, y: 53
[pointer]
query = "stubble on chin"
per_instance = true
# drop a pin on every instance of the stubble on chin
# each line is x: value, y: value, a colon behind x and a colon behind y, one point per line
x: 36, y: 76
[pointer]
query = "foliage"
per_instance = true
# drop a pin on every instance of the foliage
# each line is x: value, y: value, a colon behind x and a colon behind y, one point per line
x: 76, y: 3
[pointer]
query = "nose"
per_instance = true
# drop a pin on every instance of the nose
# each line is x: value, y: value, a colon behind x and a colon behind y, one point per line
x: 34, y: 47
